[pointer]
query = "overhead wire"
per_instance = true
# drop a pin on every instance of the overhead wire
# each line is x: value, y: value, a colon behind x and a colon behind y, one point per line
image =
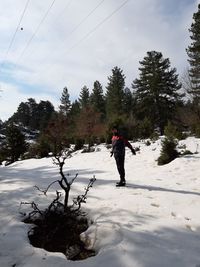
x: 76, y: 27
x: 85, y: 18
x: 98, y: 25
x: 80, y: 23
x: 63, y: 10
x: 14, y: 35
x: 36, y: 30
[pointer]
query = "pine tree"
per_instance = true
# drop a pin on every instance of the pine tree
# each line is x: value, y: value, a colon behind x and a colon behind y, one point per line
x: 84, y: 97
x: 45, y: 110
x: 73, y: 116
x: 26, y: 114
x: 128, y: 101
x: 193, y: 52
x: 97, y: 99
x: 75, y: 109
x: 23, y: 114
x: 115, y: 94
x: 15, y: 144
x: 168, y: 151
x: 65, y: 105
x: 34, y: 117
x: 156, y: 91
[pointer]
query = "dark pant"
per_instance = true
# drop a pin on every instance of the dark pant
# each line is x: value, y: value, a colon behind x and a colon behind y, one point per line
x: 120, y: 166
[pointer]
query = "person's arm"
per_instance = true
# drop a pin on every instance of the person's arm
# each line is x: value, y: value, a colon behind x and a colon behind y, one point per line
x: 129, y: 146
x: 111, y: 152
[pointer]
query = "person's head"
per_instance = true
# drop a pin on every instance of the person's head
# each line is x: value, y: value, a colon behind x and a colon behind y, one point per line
x: 115, y: 131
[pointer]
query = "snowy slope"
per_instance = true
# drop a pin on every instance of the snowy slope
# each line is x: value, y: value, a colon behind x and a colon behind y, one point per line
x: 153, y: 222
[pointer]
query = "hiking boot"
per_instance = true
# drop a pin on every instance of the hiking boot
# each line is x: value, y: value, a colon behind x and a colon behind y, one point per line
x: 121, y: 183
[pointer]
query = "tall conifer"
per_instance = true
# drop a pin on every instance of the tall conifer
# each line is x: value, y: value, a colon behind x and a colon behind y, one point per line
x: 65, y: 105
x: 84, y: 97
x: 15, y: 143
x: 156, y: 90
x: 97, y: 99
x: 115, y: 94
x: 193, y: 52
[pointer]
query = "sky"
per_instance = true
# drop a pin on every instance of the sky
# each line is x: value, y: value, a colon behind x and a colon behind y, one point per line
x: 51, y: 44
x: 154, y: 221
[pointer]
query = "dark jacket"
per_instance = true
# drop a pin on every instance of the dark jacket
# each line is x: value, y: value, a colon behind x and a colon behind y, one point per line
x: 118, y: 145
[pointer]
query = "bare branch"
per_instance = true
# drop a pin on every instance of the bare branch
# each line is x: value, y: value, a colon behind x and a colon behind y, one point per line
x: 60, y: 161
x: 65, y: 184
x: 46, y: 190
x: 82, y: 198
x: 71, y: 182
x: 34, y: 207
x: 55, y: 202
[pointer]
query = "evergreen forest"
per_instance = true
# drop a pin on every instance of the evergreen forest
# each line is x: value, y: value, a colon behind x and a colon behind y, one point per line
x: 157, y: 97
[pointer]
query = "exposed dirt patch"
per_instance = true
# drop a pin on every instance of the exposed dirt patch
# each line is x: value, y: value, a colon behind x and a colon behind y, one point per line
x: 60, y: 233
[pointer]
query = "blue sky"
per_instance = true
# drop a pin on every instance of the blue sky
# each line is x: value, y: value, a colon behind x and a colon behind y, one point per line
x: 77, y: 42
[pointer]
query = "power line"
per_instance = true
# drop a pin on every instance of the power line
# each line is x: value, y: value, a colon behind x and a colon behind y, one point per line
x: 85, y: 18
x: 85, y: 36
x: 0, y: 90
x: 98, y: 25
x: 63, y: 10
x: 14, y: 35
x: 36, y: 30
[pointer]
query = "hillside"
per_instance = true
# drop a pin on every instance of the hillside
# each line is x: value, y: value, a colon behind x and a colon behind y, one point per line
x: 152, y: 222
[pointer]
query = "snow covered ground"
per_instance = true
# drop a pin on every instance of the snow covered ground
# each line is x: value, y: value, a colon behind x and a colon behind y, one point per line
x: 153, y: 222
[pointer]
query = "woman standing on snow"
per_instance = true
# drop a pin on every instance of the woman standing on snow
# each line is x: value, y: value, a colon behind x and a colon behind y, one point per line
x: 118, y: 149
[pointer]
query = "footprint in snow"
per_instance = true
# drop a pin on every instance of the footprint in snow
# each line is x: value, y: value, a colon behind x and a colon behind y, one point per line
x: 150, y: 197
x: 175, y: 215
x: 155, y: 205
x: 187, y: 218
x: 190, y: 227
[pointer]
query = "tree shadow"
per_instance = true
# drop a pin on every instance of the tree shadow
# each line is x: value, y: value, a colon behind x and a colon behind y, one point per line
x: 162, y: 247
x: 155, y: 188
x: 18, y: 184
x: 129, y: 240
x: 193, y: 156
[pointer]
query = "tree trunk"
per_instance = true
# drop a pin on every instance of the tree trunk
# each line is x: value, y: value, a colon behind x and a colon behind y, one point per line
x: 67, y: 189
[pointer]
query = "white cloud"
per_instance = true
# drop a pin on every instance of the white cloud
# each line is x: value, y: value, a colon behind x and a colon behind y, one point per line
x: 11, y: 97
x: 59, y: 56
